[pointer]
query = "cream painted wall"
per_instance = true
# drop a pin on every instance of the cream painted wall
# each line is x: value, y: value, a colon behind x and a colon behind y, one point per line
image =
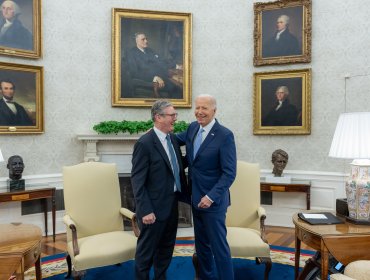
x: 77, y: 85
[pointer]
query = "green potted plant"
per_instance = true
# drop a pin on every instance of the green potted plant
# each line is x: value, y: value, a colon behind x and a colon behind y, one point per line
x: 115, y: 127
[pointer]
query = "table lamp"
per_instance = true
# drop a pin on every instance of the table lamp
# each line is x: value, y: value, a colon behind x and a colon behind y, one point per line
x: 352, y: 141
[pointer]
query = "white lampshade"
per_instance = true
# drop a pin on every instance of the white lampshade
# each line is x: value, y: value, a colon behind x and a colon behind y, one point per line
x: 1, y: 157
x: 352, y: 136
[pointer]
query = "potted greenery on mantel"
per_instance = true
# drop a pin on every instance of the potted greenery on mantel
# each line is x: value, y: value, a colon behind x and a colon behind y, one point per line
x: 115, y: 127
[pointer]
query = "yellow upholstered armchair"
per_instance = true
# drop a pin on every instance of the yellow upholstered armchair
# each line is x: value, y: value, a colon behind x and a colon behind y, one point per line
x: 94, y: 221
x: 357, y: 270
x: 245, y: 217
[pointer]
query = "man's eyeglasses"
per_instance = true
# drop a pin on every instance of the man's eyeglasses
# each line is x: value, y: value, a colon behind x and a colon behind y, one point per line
x: 174, y: 115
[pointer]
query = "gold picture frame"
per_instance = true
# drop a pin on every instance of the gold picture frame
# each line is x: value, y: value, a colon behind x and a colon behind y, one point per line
x: 292, y: 115
x: 282, y: 32
x: 23, y: 37
x: 151, y: 57
x: 21, y: 99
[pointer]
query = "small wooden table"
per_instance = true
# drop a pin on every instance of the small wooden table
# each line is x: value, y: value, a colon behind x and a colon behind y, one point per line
x: 20, y: 249
x: 32, y: 194
x: 346, y: 242
x: 304, y: 186
x: 9, y: 266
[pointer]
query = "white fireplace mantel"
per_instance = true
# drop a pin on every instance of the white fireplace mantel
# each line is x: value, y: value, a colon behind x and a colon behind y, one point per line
x: 110, y: 148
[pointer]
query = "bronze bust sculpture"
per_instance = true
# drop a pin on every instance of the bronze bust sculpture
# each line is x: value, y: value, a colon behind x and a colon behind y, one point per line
x: 279, y: 160
x: 16, y: 167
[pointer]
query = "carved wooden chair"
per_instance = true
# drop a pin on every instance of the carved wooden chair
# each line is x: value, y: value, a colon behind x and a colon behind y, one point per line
x: 245, y: 219
x: 95, y: 229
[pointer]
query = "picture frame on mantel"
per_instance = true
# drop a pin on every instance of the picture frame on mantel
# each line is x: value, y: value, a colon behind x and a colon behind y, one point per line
x: 21, y: 99
x: 151, y: 57
x: 22, y: 37
x: 282, y: 32
x: 282, y: 102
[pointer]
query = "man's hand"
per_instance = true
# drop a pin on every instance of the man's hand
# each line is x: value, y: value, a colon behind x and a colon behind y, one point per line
x: 204, y: 202
x: 159, y: 81
x: 149, y: 219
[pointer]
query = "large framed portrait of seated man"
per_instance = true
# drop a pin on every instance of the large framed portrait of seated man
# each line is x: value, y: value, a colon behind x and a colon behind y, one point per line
x: 282, y: 32
x: 21, y: 99
x: 282, y: 102
x: 151, y: 57
x: 20, y: 28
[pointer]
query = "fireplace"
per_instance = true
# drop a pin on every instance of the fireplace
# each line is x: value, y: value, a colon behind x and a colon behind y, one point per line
x: 118, y: 149
x: 127, y: 198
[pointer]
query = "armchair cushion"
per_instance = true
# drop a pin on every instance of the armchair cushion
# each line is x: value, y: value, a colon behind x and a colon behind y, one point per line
x: 357, y: 270
x: 103, y: 249
x: 246, y: 242
x: 339, y: 276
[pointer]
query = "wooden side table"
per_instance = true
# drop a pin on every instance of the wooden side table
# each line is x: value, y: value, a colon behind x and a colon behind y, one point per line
x: 20, y: 242
x: 32, y: 194
x: 345, y: 242
x: 10, y: 265
x: 304, y: 186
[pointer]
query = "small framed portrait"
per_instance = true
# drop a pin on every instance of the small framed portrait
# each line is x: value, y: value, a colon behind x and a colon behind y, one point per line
x: 282, y: 102
x: 20, y: 28
x: 151, y: 57
x: 282, y: 32
x: 21, y: 100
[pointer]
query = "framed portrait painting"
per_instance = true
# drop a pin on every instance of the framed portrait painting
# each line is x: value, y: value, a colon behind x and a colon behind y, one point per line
x: 282, y: 32
x: 20, y: 28
x: 151, y: 57
x: 21, y: 101
x: 282, y: 102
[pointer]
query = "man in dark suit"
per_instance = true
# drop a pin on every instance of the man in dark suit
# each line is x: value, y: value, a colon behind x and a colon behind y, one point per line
x: 147, y: 65
x: 12, y: 32
x: 211, y: 155
x: 282, y: 113
x: 283, y: 43
x: 11, y: 113
x: 158, y: 182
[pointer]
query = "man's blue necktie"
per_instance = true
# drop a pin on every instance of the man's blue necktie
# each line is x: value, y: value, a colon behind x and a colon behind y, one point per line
x: 175, y: 168
x: 198, y: 141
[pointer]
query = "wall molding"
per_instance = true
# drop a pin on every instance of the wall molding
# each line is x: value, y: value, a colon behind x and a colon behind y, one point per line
x: 326, y: 187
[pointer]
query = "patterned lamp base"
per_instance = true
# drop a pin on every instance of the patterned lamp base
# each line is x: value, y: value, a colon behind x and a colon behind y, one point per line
x: 358, y: 194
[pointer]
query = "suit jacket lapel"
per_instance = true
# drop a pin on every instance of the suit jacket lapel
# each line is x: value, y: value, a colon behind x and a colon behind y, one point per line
x: 159, y: 147
x: 211, y: 135
x: 5, y: 109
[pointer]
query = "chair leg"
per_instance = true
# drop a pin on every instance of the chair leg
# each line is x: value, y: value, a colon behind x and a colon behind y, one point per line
x: 196, y: 265
x: 268, y: 265
x: 69, y: 265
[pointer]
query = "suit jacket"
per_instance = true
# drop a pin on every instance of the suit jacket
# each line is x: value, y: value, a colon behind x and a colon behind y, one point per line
x: 152, y: 177
x: 16, y: 36
x: 286, y: 115
x: 213, y: 169
x: 286, y: 45
x: 145, y: 66
x: 8, y: 118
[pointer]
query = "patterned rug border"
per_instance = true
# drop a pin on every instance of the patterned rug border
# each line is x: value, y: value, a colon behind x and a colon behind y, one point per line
x: 56, y: 264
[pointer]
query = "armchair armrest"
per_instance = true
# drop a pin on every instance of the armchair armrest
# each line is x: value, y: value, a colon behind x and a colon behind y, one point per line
x: 132, y: 216
x: 67, y: 220
x: 262, y: 216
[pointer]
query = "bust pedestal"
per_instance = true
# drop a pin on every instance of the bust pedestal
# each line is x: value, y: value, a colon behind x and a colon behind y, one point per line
x: 15, y: 185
